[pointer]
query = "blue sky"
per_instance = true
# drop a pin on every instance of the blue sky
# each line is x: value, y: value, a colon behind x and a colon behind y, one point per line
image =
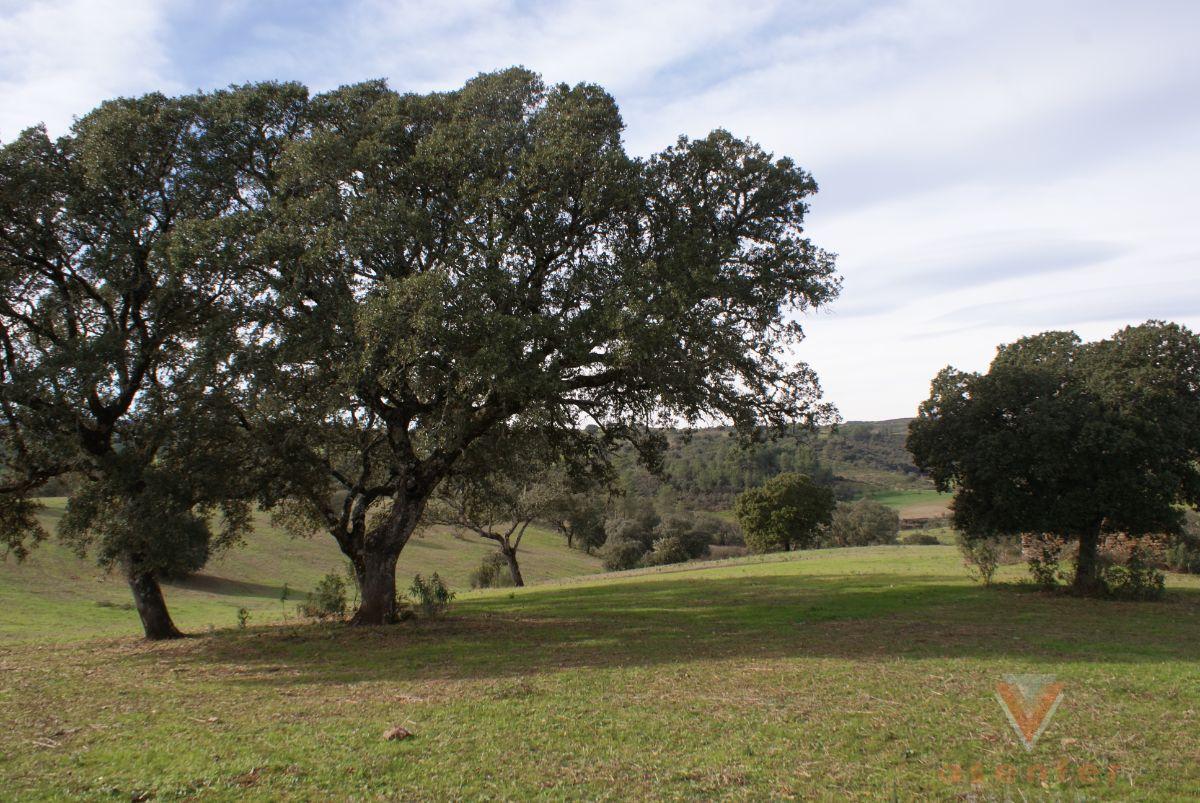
x: 987, y: 169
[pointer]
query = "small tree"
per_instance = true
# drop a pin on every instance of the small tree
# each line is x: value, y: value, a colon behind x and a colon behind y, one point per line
x: 1070, y: 439
x: 788, y: 512
x: 679, y: 537
x: 499, y: 489
x: 863, y: 523
x: 579, y: 516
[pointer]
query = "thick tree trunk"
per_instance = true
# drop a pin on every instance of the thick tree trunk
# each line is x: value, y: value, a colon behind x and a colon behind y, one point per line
x: 1087, y: 565
x: 378, y: 589
x: 151, y: 607
x: 514, y: 569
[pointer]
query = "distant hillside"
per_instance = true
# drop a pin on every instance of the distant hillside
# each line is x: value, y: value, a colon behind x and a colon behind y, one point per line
x: 708, y: 468
x: 870, y: 455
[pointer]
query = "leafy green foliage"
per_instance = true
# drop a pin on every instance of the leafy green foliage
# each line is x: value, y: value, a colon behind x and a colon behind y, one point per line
x: 620, y: 553
x: 1070, y: 439
x: 492, y: 572
x: 578, y: 515
x: 432, y: 595
x: 788, y: 512
x: 327, y: 600
x: 1183, y: 555
x: 121, y: 277
x: 863, y: 523
x: 678, y: 538
x: 434, y: 267
x: 981, y: 556
x: 1136, y: 579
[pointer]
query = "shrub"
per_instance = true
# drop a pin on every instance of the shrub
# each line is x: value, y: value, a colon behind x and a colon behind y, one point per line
x: 619, y: 554
x: 637, y: 530
x: 719, y: 532
x: 669, y: 549
x: 688, y: 531
x: 1136, y: 579
x: 492, y: 572
x: 327, y: 600
x: 678, y: 538
x: 243, y: 618
x: 863, y: 523
x: 1042, y: 553
x: 981, y: 556
x: 432, y: 596
x: 1183, y: 555
x: 919, y: 539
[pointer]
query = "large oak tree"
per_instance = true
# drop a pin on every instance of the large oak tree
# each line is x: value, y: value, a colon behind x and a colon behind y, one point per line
x: 1070, y: 438
x: 433, y: 267
x: 121, y: 259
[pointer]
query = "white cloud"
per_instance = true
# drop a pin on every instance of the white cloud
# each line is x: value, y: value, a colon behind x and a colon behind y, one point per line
x: 60, y: 58
x: 988, y: 169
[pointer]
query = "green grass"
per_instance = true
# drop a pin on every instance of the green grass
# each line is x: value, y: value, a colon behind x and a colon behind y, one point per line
x: 56, y: 595
x: 917, y: 503
x: 860, y: 673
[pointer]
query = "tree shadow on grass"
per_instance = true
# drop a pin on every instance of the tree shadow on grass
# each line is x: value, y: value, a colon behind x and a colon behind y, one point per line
x: 212, y: 584
x: 864, y: 617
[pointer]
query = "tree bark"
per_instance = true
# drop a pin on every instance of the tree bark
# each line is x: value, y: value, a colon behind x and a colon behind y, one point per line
x: 151, y: 607
x: 514, y: 569
x: 378, y: 603
x: 1087, y: 565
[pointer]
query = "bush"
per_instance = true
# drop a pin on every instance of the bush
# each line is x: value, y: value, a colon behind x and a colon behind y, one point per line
x: 1183, y: 555
x: 863, y: 523
x: 637, y: 530
x: 619, y: 554
x: 919, y: 539
x: 492, y: 572
x: 981, y: 556
x: 679, y: 538
x: 243, y: 618
x: 719, y: 532
x: 669, y: 549
x: 432, y: 596
x: 1042, y: 553
x: 688, y: 531
x: 327, y: 601
x: 1135, y: 580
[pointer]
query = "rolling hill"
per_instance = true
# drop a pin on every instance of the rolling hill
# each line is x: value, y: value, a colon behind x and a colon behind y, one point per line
x: 56, y: 595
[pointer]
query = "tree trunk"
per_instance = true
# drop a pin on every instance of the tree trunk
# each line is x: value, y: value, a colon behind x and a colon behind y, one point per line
x: 1087, y: 565
x: 510, y: 555
x: 151, y: 607
x: 378, y: 605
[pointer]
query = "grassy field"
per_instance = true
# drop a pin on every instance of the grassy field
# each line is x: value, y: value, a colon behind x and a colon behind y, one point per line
x: 55, y: 595
x: 860, y: 673
x: 915, y: 504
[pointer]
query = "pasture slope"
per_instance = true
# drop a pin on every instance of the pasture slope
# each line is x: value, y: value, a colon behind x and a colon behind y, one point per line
x: 834, y: 674
x: 55, y: 595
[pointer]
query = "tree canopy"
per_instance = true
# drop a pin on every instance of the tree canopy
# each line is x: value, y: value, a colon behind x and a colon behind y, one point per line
x: 119, y: 297
x: 1069, y: 438
x: 789, y: 511
x: 862, y: 523
x: 435, y: 266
